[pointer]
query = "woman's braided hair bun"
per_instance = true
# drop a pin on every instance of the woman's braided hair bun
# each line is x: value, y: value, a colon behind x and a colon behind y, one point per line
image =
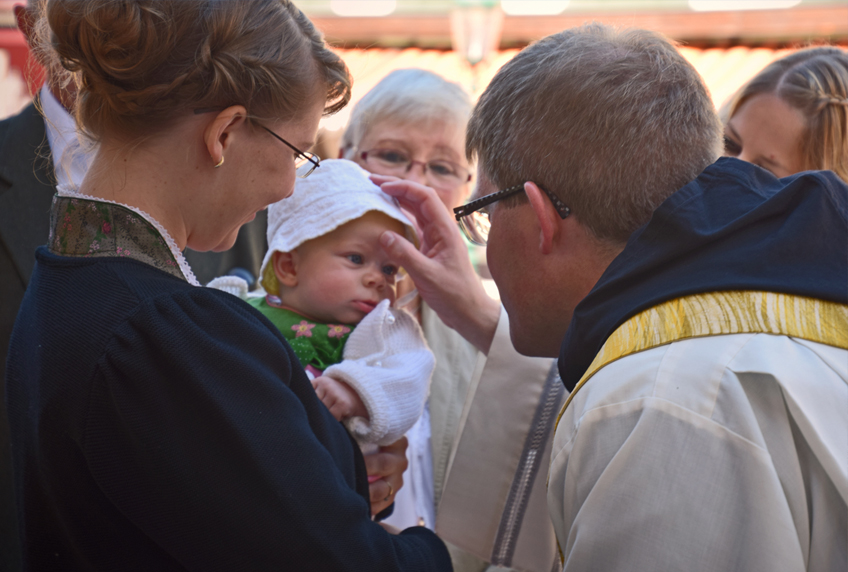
x: 138, y: 64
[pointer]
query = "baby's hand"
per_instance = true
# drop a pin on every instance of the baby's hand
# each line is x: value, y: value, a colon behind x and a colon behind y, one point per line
x: 340, y: 399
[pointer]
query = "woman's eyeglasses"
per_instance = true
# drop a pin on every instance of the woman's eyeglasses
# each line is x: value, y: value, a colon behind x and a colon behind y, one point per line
x: 304, y: 162
x: 443, y: 174
x: 473, y: 217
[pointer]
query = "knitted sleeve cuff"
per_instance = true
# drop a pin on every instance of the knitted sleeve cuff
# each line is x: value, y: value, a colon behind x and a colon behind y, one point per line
x: 393, y: 388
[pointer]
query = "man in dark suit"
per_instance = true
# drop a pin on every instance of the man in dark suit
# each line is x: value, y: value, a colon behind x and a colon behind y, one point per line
x: 26, y: 191
x: 25, y: 195
x: 27, y: 185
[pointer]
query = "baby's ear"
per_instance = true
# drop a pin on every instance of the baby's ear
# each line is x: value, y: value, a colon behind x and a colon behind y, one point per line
x: 285, y: 268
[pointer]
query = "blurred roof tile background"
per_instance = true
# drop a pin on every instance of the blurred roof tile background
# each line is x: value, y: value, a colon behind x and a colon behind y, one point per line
x: 727, y: 41
x: 724, y: 69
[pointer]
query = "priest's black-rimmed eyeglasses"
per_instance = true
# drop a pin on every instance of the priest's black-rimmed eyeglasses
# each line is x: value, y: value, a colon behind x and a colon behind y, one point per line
x: 304, y: 162
x: 473, y: 217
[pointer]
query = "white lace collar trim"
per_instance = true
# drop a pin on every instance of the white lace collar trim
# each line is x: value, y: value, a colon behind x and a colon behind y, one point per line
x: 72, y: 192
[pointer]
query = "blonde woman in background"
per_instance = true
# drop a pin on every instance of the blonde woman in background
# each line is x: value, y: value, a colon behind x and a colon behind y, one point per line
x: 486, y: 401
x: 793, y: 115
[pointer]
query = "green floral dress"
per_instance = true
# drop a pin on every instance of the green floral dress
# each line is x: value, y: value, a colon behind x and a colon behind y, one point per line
x: 315, y: 344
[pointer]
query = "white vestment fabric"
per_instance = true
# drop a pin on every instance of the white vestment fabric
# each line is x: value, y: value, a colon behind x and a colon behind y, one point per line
x: 492, y: 502
x: 708, y: 454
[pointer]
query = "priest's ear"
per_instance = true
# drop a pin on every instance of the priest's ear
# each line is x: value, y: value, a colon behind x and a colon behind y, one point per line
x: 285, y: 267
x: 546, y: 216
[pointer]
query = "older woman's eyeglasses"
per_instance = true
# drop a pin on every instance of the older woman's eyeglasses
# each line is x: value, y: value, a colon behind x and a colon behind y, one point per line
x: 304, y: 162
x: 473, y: 217
x: 444, y: 174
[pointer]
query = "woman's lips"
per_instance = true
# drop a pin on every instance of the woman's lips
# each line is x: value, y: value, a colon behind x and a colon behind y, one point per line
x: 364, y: 305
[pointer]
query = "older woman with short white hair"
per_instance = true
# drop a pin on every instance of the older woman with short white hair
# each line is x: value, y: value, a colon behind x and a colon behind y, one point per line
x: 412, y: 126
x: 487, y: 402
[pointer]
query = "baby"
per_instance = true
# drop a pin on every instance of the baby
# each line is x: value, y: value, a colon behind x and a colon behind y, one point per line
x: 329, y: 291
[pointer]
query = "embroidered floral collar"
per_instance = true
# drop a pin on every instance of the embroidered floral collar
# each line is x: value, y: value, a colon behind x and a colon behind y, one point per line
x: 316, y: 344
x: 90, y: 227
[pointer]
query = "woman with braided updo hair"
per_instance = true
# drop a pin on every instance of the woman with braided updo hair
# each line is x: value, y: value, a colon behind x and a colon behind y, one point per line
x: 793, y: 116
x: 156, y: 424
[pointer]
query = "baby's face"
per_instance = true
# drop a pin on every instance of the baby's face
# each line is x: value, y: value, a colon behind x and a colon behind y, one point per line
x: 343, y: 275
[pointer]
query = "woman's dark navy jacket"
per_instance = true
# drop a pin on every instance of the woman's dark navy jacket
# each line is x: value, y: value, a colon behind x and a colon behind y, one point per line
x: 162, y: 426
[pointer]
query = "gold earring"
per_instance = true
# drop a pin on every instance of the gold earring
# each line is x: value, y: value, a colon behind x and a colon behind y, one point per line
x: 221, y: 162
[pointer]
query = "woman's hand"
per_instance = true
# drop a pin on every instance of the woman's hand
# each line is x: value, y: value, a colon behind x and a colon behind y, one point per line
x: 387, y: 465
x: 441, y: 269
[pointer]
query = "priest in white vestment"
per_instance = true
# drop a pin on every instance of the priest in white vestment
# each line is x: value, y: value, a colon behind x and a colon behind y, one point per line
x: 699, y: 309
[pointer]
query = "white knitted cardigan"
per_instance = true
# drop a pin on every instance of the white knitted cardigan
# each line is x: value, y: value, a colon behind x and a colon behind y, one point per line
x: 387, y: 362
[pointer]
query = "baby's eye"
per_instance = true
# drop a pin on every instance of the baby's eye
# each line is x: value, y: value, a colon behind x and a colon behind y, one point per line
x: 390, y: 270
x: 355, y: 258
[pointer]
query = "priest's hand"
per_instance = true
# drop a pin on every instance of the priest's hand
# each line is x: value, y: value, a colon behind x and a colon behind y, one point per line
x: 440, y: 268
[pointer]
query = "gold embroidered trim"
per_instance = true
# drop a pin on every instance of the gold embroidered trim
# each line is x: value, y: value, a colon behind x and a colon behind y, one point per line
x: 720, y: 313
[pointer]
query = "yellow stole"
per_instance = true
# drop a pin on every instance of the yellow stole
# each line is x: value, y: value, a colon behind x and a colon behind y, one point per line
x: 720, y: 313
